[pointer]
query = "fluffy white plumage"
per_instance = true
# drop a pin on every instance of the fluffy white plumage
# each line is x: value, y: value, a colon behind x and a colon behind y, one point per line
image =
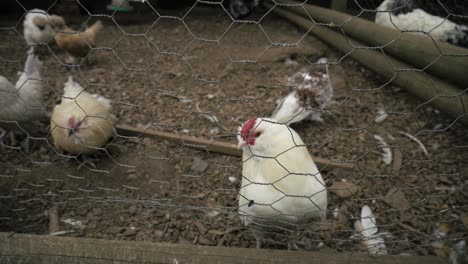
x: 312, y: 92
x: 23, y: 102
x: 417, y: 19
x: 36, y: 27
x: 82, y: 122
x: 286, y: 191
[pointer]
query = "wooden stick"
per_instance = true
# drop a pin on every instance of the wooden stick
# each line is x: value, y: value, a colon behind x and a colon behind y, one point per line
x: 54, y: 225
x: 211, y: 145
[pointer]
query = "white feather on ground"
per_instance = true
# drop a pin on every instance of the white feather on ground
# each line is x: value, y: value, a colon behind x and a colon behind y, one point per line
x: 386, y: 151
x: 368, y: 232
x: 459, y: 254
x: 381, y: 115
x: 413, y: 138
x: 312, y: 92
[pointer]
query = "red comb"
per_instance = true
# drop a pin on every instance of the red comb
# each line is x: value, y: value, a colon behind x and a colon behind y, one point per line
x: 248, y: 126
x: 71, y: 122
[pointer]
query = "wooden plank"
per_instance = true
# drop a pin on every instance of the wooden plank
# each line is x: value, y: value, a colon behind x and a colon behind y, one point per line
x: 211, y: 145
x: 20, y: 248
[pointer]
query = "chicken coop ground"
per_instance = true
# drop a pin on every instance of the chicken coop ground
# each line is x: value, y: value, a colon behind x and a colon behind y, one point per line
x: 151, y: 190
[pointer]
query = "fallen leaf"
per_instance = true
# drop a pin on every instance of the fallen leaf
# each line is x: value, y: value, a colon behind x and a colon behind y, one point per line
x: 344, y: 189
x: 396, y: 199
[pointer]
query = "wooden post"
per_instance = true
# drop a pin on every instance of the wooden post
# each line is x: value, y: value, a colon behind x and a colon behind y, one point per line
x: 36, y: 249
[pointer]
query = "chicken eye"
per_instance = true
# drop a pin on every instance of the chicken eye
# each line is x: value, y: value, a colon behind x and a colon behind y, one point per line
x: 41, y: 27
x: 258, y: 134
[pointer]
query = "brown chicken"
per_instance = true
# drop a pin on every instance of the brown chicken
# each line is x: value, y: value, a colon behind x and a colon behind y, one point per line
x: 82, y: 123
x: 76, y: 44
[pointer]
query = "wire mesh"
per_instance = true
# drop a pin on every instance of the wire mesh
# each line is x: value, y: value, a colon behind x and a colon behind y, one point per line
x: 199, y: 70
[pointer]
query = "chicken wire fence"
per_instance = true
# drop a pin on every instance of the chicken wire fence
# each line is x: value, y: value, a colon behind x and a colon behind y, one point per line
x: 393, y: 166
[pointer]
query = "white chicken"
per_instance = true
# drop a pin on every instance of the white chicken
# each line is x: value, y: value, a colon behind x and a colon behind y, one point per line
x: 312, y: 92
x: 82, y: 123
x: 22, y: 103
x: 36, y: 27
x: 281, y: 186
x: 409, y: 15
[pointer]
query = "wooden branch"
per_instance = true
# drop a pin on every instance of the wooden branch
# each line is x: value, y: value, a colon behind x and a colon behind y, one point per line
x: 210, y: 144
x: 19, y: 248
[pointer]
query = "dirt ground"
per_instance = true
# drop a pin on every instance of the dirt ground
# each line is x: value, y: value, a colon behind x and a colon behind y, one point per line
x: 151, y: 190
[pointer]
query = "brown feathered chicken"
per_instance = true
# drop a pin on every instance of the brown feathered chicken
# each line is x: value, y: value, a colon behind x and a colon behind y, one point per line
x: 82, y: 123
x: 312, y: 92
x: 76, y: 44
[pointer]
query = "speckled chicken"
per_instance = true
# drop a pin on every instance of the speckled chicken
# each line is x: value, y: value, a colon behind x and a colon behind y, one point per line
x: 75, y: 44
x: 311, y: 93
x: 82, y: 123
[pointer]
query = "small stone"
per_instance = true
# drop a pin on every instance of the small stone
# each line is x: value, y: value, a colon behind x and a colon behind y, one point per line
x: 464, y: 219
x: 204, y: 241
x: 198, y: 165
x: 396, y: 199
x: 129, y: 232
x: 132, y: 210
x: 344, y: 189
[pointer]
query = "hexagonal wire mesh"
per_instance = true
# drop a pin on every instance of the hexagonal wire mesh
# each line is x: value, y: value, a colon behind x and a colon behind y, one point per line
x: 195, y: 70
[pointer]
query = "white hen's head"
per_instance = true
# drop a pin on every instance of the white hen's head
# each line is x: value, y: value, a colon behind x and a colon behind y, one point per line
x: 261, y: 135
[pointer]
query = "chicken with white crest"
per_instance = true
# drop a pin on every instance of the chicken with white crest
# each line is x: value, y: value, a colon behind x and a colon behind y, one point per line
x: 413, y: 16
x: 312, y: 92
x: 22, y: 103
x: 37, y: 28
x: 281, y: 186
x: 82, y: 123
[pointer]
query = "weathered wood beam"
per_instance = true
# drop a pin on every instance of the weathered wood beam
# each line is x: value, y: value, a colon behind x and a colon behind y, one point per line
x: 20, y: 248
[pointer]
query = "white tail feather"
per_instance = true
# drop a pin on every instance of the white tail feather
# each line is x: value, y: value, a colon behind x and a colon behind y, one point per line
x: 367, y: 229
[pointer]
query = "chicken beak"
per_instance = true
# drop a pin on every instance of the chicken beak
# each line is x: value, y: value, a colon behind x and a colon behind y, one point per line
x: 241, y: 144
x: 70, y: 131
